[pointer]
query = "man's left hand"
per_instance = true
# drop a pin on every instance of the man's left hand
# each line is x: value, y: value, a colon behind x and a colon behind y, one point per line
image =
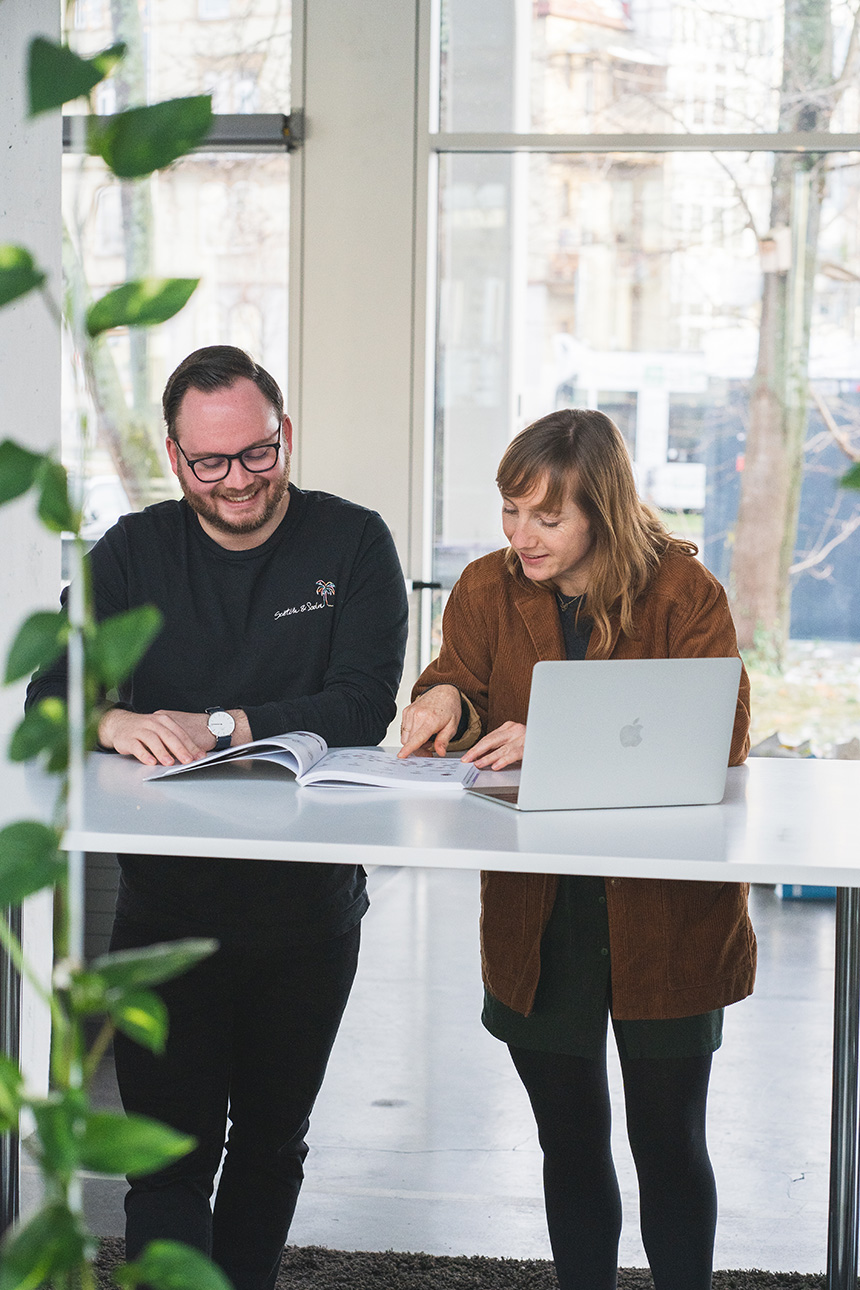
x: 165, y: 736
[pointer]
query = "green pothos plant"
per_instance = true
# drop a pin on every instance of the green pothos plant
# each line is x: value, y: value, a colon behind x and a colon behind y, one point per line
x: 54, y: 1246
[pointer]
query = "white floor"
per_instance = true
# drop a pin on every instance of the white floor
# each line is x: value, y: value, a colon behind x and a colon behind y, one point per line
x: 422, y: 1138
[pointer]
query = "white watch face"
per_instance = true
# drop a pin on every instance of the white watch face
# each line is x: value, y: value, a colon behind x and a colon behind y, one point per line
x: 221, y: 723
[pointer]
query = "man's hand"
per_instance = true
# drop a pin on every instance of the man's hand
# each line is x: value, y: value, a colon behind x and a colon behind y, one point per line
x: 163, y: 738
x: 501, y: 747
x: 435, y: 713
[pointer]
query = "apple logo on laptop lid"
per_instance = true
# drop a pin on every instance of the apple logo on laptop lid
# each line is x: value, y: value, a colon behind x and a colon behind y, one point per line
x: 631, y: 736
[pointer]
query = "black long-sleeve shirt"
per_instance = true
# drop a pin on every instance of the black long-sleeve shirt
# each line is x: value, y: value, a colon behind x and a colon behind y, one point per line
x: 304, y: 632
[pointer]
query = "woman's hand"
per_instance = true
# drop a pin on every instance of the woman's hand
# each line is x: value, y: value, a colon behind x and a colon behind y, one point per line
x: 434, y: 717
x: 501, y: 747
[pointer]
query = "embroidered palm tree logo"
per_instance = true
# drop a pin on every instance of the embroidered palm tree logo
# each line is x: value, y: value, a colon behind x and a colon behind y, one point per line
x: 325, y: 589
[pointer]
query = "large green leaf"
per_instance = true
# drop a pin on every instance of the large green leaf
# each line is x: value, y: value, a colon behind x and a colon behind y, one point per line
x: 129, y: 1144
x: 60, y: 1120
x: 153, y: 963
x: 142, y: 303
x: 851, y: 478
x: 142, y: 1016
x: 140, y: 140
x: 43, y: 730
x: 18, y: 273
x: 56, y: 75
x: 87, y: 992
x: 29, y: 860
x: 40, y: 639
x: 167, y: 1265
x: 138, y: 1013
x: 11, y: 1086
x: 55, y: 509
x: 18, y: 467
x: 52, y: 1243
x: 119, y: 643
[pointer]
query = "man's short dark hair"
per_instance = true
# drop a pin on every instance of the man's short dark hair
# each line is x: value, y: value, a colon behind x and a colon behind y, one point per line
x: 216, y: 367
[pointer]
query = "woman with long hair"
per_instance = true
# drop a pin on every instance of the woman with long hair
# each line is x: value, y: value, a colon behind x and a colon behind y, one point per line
x: 590, y: 571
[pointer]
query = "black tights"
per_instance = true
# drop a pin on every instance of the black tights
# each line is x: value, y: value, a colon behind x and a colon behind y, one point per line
x: 665, y: 1100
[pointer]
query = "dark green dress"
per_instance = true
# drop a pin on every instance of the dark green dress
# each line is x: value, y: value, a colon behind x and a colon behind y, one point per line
x: 574, y: 991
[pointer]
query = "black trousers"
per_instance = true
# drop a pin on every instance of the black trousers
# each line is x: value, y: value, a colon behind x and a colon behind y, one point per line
x: 666, y: 1100
x: 251, y: 1031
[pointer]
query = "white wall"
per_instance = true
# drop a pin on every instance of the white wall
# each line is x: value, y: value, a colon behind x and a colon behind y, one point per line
x: 359, y: 203
x: 29, y: 403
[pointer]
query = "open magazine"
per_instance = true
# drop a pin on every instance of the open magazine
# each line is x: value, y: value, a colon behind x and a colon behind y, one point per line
x: 310, y: 759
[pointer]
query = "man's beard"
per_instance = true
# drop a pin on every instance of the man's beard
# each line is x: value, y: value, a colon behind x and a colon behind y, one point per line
x: 202, y: 504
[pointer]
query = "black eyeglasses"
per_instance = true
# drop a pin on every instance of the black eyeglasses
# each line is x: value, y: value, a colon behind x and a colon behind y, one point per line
x: 209, y: 470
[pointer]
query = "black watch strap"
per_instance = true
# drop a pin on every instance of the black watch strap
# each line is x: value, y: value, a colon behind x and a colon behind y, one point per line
x: 221, y: 741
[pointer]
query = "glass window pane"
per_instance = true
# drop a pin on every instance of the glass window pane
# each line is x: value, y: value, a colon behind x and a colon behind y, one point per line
x: 220, y: 217
x: 637, y: 66
x: 236, y: 50
x: 634, y: 283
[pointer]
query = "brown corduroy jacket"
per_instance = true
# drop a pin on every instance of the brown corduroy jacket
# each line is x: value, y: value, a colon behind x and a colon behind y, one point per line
x: 676, y: 948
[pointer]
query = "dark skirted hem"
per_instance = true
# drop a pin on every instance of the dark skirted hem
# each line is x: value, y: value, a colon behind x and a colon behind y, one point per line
x: 572, y: 1003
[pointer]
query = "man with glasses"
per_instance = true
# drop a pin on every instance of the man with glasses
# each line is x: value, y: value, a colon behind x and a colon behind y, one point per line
x: 282, y: 610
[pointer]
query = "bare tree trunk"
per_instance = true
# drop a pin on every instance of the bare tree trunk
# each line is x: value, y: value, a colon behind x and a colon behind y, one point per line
x: 773, y: 466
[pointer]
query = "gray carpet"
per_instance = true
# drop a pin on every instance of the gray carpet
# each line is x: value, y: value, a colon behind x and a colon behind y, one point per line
x: 313, y: 1268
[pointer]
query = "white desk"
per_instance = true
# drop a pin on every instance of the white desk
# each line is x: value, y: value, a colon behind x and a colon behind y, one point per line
x: 780, y: 821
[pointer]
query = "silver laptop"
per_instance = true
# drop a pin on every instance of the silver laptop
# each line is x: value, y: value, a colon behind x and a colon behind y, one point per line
x: 624, y: 732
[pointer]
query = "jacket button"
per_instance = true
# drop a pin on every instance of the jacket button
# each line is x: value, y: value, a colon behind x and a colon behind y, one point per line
x: 604, y: 951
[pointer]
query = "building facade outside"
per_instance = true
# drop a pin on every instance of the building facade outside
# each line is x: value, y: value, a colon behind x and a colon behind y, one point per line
x: 633, y: 282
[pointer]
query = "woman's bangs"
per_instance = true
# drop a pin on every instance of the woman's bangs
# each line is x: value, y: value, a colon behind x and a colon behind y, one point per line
x: 561, y: 487
x: 517, y: 479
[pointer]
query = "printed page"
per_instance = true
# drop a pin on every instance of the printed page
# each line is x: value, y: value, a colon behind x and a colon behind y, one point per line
x: 298, y: 751
x: 381, y: 767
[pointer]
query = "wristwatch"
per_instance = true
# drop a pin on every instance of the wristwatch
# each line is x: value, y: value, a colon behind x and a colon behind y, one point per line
x: 222, y: 726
